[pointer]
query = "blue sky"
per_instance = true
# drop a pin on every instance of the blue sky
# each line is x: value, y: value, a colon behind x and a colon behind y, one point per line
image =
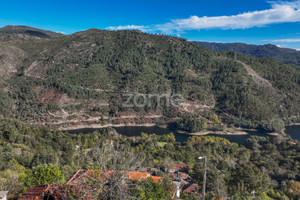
x: 254, y: 22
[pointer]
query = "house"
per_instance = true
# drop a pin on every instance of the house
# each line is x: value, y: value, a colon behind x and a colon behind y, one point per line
x: 75, y: 187
x: 210, y: 123
x: 183, y: 176
x: 190, y: 188
x: 183, y: 181
x: 3, y: 195
x: 180, y: 176
x: 82, y: 175
x: 178, y: 188
x: 181, y: 168
x: 36, y: 193
x: 52, y: 192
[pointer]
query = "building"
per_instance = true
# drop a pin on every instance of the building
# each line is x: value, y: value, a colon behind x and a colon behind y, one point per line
x: 37, y: 193
x: 81, y: 175
x: 178, y: 188
x: 181, y: 168
x: 190, y: 188
x: 74, y: 185
x: 52, y: 192
x: 3, y: 195
x: 210, y: 123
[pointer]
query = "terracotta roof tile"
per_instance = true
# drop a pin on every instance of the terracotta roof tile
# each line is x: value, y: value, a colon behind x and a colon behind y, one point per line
x: 190, y: 188
x: 156, y: 178
x: 181, y: 167
x: 183, y: 175
x: 131, y: 175
x: 74, y: 185
x: 35, y: 193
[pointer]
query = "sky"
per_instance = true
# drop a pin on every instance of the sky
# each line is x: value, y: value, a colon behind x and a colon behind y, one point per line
x: 252, y: 22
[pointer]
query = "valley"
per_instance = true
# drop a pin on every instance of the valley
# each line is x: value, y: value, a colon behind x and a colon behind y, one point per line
x: 80, y: 80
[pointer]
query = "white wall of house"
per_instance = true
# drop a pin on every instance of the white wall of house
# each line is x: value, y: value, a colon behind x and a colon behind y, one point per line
x: 178, y: 192
x: 3, y: 195
x: 178, y: 185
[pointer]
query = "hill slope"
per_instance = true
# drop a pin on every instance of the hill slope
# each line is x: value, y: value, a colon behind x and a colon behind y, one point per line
x: 285, y: 55
x: 25, y: 30
x: 85, y: 78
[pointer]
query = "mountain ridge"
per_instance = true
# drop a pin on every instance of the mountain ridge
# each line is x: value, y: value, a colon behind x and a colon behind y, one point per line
x: 84, y: 77
x: 285, y: 55
x: 35, y: 32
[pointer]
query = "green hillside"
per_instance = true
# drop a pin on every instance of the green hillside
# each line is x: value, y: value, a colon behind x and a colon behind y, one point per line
x: 82, y: 78
x: 285, y: 55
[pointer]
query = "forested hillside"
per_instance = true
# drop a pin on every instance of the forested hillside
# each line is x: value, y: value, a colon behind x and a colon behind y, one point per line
x: 265, y: 168
x: 285, y: 55
x: 83, y: 77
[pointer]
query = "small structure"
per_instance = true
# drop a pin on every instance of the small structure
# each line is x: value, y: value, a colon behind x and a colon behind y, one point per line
x: 178, y: 186
x: 3, y: 195
x: 35, y: 193
x: 190, y: 189
x: 52, y: 192
x: 74, y: 185
x: 210, y: 123
x: 183, y: 176
x: 181, y: 168
x: 82, y: 175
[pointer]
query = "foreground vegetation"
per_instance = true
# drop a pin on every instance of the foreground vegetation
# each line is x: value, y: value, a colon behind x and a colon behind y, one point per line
x: 268, y: 167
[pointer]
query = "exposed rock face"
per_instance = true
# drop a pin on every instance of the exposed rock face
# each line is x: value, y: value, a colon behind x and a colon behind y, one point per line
x: 262, y: 82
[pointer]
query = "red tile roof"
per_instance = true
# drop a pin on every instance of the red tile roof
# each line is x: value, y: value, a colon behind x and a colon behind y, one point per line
x: 190, y: 189
x: 74, y: 185
x: 156, y: 178
x: 35, y: 193
x: 131, y: 175
x: 58, y: 192
x: 78, y: 174
x: 137, y: 175
x: 181, y: 167
x: 182, y: 175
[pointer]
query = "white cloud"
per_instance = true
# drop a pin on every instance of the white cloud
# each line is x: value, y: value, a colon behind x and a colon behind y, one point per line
x: 128, y: 27
x: 280, y: 12
x: 287, y: 40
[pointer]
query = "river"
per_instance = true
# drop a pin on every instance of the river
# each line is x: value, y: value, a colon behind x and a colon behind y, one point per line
x: 293, y: 131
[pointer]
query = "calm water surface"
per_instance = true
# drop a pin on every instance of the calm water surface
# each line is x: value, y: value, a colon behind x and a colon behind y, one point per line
x: 137, y: 130
x: 293, y: 131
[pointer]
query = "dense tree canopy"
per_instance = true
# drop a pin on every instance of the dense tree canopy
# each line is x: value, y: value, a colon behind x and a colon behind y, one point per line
x: 42, y: 155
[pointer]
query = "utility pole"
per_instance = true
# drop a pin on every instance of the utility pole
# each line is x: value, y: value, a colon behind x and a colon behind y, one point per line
x: 204, y: 176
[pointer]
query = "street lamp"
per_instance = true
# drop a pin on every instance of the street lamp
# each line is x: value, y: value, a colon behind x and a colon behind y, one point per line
x: 204, y: 177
